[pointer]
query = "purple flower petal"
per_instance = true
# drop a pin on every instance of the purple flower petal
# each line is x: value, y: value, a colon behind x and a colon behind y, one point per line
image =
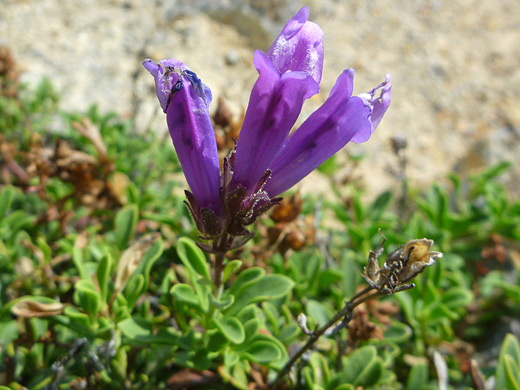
x: 378, y: 107
x: 185, y: 100
x: 276, y: 102
x: 289, y: 73
x: 299, y: 47
x: 340, y: 119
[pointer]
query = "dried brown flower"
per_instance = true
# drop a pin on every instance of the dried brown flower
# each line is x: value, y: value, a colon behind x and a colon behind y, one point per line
x: 401, y: 266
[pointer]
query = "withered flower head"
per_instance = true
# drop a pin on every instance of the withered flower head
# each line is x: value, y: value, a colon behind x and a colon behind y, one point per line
x: 401, y: 266
x: 415, y: 256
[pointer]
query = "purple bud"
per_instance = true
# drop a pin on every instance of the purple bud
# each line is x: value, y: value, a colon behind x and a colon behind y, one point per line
x: 185, y: 101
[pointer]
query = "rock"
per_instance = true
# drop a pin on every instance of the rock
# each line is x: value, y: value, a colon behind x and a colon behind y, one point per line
x: 232, y: 57
x: 454, y: 64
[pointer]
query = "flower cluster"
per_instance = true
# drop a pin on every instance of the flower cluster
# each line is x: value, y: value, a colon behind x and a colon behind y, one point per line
x: 268, y: 159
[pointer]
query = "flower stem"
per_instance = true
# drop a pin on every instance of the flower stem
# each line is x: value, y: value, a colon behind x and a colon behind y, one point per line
x: 345, y: 313
x: 221, y: 246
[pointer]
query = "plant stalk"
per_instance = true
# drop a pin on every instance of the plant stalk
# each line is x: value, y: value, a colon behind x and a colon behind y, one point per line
x: 345, y: 313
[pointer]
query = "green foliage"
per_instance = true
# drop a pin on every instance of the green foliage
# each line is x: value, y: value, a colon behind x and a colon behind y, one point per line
x: 508, y: 369
x: 127, y: 281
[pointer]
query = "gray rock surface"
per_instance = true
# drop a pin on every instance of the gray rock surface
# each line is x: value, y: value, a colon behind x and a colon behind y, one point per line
x: 455, y: 65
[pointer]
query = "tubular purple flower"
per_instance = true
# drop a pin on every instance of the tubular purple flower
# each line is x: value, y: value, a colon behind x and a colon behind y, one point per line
x: 342, y: 118
x: 267, y: 160
x: 185, y: 101
x: 289, y: 73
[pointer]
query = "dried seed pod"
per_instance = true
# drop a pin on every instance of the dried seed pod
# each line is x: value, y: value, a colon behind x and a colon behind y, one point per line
x: 416, y: 256
x: 401, y: 266
x: 371, y: 271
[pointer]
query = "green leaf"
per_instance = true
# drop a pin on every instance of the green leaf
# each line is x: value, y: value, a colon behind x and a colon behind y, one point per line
x: 134, y: 289
x: 125, y: 224
x: 398, y: 332
x: 417, y: 377
x: 133, y: 329
x: 251, y: 327
x: 511, y: 348
x: 103, y: 275
x: 266, y: 288
x: 345, y: 386
x: 512, y: 373
x: 319, y: 312
x: 222, y: 303
x: 362, y: 367
x: 263, y: 351
x: 494, y: 171
x: 231, y: 329
x: 457, y: 297
x: 75, y: 320
x: 248, y: 312
x: 151, y: 256
x: 289, y: 333
x: 238, y: 377
x: 184, y: 293
x: 77, y: 258
x: 195, y: 263
x: 86, y: 297
x: 247, y: 277
x: 276, y: 364
x: 193, y: 257
x: 350, y: 271
x: 441, y: 204
x: 359, y: 212
x: 8, y: 332
x: 231, y: 268
x: 329, y: 277
x: 140, y: 332
x: 200, y: 359
x: 6, y: 198
x: 379, y: 205
x: 18, y: 220
x: 437, y: 312
x: 406, y: 303
x: 216, y: 340
x: 320, y: 368
x: 45, y: 248
x: 271, y: 314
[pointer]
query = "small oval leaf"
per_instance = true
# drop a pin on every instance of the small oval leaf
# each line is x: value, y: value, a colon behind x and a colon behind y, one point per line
x: 263, y: 352
x: 193, y: 257
x: 231, y: 328
x: 184, y: 293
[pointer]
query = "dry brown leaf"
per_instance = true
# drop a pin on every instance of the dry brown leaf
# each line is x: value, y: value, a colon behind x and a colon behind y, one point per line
x: 87, y: 129
x: 30, y: 308
x: 131, y: 258
x: 288, y: 209
x: 117, y: 186
x: 479, y: 383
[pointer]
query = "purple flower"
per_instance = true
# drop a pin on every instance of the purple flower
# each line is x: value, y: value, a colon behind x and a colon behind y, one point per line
x: 185, y: 101
x: 342, y: 118
x: 289, y: 73
x: 267, y: 160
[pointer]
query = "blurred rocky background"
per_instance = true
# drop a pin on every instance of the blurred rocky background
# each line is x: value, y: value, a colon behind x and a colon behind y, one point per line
x: 455, y: 66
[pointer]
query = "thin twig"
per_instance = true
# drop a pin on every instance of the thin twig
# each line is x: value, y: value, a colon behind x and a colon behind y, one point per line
x: 349, y: 307
x: 345, y: 313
